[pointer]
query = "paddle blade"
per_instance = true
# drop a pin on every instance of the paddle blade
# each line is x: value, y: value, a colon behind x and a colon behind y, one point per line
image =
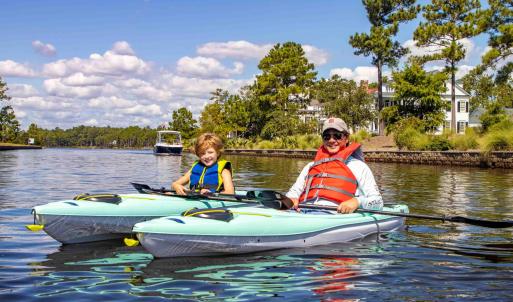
x: 131, y: 242
x: 482, y: 223
x: 141, y: 188
x: 34, y: 227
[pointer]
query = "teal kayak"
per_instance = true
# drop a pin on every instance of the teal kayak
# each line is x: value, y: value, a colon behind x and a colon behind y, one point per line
x: 78, y: 221
x: 254, y: 229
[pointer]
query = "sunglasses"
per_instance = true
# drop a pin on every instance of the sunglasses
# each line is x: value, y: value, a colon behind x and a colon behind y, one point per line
x: 337, y: 136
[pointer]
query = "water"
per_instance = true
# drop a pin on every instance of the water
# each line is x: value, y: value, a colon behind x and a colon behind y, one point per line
x: 430, y: 261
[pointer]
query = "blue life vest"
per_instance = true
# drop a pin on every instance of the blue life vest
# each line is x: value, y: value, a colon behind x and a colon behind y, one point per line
x: 203, y: 177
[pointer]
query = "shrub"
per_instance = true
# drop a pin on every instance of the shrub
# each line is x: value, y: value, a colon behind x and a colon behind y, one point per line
x: 438, y: 143
x: 410, y: 138
x: 465, y: 142
x: 360, y: 136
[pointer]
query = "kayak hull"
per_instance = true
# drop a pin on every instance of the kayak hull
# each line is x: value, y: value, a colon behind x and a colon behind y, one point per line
x: 81, y: 221
x: 229, y: 239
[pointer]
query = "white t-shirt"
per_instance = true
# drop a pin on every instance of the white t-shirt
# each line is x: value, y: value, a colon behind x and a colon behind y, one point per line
x: 367, y: 194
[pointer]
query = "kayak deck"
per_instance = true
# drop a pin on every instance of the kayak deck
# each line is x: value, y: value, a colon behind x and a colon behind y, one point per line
x: 259, y: 229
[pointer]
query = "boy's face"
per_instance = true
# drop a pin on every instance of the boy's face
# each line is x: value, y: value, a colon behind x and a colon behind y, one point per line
x: 209, y: 157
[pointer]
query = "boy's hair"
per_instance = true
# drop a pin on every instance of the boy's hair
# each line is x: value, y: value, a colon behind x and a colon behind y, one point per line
x: 208, y: 140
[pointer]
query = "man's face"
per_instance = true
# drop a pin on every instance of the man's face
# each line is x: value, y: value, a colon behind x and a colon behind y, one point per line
x: 333, y: 140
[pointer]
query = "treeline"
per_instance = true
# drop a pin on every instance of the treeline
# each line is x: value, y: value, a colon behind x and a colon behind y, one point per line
x: 88, y: 136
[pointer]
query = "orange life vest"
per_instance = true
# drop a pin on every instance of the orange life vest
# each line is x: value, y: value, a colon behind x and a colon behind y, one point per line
x: 329, y: 177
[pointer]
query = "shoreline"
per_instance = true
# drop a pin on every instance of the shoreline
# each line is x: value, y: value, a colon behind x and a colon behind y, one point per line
x: 494, y: 159
x: 6, y: 147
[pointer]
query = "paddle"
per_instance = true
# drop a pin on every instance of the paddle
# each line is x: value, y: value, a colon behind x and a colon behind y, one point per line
x: 265, y: 197
x: 459, y: 219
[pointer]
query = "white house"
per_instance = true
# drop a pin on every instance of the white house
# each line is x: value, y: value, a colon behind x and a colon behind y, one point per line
x: 462, y: 107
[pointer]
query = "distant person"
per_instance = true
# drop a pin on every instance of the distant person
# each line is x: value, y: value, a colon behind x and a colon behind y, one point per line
x: 208, y: 174
x: 338, y: 176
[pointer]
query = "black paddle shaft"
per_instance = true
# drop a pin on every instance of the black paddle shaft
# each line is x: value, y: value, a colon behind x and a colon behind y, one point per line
x: 459, y: 219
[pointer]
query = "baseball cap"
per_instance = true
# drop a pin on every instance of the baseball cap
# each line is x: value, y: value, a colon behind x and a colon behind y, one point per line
x: 335, y: 123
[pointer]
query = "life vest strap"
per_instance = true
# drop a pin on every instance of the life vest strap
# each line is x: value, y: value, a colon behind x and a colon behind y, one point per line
x: 330, y: 175
x: 327, y: 160
x: 333, y: 189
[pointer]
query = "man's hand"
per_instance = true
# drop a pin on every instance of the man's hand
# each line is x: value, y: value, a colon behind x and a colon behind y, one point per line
x: 295, y: 204
x: 348, y: 206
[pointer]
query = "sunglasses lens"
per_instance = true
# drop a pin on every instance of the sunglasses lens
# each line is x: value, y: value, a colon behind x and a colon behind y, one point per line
x: 336, y: 136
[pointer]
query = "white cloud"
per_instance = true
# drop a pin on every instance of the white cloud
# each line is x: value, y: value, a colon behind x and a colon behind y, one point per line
x: 468, y: 45
x: 360, y: 73
x: 91, y: 122
x: 110, y: 102
x: 58, y: 88
x: 148, y: 110
x: 315, y: 55
x: 123, y: 48
x: 245, y: 50
x: 460, y: 73
x: 44, y: 49
x: 40, y: 103
x: 22, y: 90
x: 206, y: 68
x: 234, y: 49
x: 110, y: 63
x: 9, y: 68
x: 79, y: 79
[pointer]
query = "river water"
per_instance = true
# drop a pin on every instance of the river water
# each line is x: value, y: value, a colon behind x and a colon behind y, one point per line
x: 429, y: 261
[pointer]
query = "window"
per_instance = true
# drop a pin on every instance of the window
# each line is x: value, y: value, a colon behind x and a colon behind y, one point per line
x: 462, y: 125
x: 462, y: 107
x: 447, y: 124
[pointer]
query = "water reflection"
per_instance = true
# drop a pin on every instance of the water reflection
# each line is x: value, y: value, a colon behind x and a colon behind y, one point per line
x: 429, y: 261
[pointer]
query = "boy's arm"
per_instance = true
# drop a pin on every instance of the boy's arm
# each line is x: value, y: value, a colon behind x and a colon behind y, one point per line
x: 179, y: 184
x: 226, y: 174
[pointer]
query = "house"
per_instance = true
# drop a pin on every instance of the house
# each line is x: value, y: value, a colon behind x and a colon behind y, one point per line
x: 462, y: 107
x: 313, y: 111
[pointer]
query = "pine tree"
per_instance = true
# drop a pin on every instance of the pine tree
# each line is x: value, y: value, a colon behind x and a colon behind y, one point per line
x: 385, y: 17
x: 446, y: 23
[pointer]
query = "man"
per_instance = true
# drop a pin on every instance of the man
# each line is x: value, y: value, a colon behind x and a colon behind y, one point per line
x: 338, y: 176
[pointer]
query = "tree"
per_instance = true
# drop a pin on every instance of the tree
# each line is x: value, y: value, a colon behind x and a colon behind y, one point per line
x: 344, y: 99
x: 9, y: 125
x: 283, y: 85
x: 212, y: 120
x: 385, y: 17
x: 484, y: 90
x: 417, y: 94
x: 182, y: 121
x: 497, y: 20
x: 447, y: 22
x: 236, y: 114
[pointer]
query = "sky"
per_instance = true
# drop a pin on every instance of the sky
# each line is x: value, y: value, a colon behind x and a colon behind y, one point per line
x: 133, y: 62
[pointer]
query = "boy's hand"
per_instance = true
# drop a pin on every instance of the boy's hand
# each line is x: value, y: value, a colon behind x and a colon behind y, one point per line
x: 180, y: 190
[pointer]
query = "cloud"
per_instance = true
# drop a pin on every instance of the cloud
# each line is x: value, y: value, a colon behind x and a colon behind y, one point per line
x: 9, y: 68
x: 110, y: 102
x: 44, y: 49
x: 123, y: 48
x: 315, y: 55
x: 460, y: 73
x: 57, y: 87
x: 468, y: 45
x: 206, y: 68
x: 22, y: 90
x: 243, y: 50
x: 79, y: 79
x: 360, y: 73
x: 113, y: 62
